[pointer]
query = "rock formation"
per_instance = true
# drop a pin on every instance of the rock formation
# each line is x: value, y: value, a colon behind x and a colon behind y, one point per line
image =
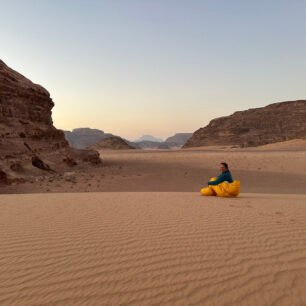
x: 111, y: 143
x: 258, y: 126
x: 179, y: 139
x: 84, y: 137
x: 148, y: 138
x: 29, y: 143
x: 175, y: 141
x: 81, y: 138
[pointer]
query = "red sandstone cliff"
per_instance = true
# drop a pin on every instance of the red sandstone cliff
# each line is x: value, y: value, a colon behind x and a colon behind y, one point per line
x: 29, y: 143
x: 258, y: 126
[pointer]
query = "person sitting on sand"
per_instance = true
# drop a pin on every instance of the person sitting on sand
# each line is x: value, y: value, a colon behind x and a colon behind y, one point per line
x: 223, y: 185
x: 225, y: 175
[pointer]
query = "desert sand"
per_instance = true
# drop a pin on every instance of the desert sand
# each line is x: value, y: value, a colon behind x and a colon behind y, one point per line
x: 276, y: 168
x: 137, y: 232
x: 152, y: 248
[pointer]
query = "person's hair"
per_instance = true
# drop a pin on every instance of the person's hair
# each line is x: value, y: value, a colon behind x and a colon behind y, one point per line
x: 225, y: 165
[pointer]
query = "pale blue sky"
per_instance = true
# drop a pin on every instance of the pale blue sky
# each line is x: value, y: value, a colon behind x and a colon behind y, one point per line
x: 134, y: 67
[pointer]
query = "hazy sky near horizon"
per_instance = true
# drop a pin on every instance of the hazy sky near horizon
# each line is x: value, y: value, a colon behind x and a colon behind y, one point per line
x: 134, y: 67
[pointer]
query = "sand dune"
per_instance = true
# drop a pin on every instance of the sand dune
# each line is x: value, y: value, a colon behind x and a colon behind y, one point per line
x: 290, y: 145
x: 152, y: 248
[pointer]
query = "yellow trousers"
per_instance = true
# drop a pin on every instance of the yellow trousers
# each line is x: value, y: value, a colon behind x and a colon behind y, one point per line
x: 222, y: 190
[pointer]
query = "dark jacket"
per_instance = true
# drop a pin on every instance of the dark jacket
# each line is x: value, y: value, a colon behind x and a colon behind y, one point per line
x: 226, y: 176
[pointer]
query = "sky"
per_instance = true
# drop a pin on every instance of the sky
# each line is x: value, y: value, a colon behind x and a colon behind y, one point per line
x: 159, y: 67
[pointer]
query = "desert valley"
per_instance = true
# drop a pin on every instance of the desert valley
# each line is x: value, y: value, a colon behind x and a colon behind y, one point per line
x: 114, y: 222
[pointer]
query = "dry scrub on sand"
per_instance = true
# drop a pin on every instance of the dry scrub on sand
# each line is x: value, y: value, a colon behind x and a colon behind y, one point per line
x: 152, y: 248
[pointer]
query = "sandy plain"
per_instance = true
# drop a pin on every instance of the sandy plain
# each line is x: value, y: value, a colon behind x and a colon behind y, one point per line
x: 137, y: 232
x: 275, y: 168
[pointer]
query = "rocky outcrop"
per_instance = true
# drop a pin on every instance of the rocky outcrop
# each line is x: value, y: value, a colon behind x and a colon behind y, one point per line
x: 258, y: 126
x: 29, y: 143
x: 111, y: 143
x: 179, y: 139
x: 81, y: 138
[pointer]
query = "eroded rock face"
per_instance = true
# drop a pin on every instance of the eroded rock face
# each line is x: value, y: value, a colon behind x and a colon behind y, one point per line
x: 179, y: 139
x: 27, y: 133
x: 258, y: 126
x: 112, y: 143
x: 82, y: 138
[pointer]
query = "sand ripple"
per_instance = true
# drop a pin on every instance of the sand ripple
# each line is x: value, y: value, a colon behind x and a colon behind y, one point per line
x: 152, y: 249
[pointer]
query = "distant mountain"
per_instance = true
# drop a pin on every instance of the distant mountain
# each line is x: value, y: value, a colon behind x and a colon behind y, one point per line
x: 151, y: 142
x: 81, y: 138
x: 179, y: 139
x: 111, y: 143
x: 148, y: 138
x: 254, y: 127
x: 145, y: 144
x: 84, y: 137
x: 132, y: 144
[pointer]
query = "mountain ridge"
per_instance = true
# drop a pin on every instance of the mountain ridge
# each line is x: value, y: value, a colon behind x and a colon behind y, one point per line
x: 275, y: 122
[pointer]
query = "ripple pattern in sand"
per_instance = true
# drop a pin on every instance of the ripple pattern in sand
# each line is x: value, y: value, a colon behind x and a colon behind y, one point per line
x: 152, y: 249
